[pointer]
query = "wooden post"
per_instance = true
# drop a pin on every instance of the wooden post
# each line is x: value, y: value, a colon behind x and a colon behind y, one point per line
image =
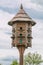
x: 21, y: 52
x: 21, y: 58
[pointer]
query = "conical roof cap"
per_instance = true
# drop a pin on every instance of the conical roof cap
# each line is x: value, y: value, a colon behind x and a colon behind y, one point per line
x: 21, y: 16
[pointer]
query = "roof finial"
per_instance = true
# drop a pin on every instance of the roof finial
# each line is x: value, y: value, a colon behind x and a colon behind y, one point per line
x: 21, y: 7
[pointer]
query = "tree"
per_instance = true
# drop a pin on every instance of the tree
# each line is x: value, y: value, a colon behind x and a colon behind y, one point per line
x: 33, y: 59
x: 14, y: 62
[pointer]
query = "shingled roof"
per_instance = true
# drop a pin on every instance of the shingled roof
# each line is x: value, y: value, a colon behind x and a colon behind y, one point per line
x: 21, y: 16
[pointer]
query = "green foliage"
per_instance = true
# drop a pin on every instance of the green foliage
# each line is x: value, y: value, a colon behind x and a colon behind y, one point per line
x: 33, y: 59
x: 0, y: 64
x: 14, y: 62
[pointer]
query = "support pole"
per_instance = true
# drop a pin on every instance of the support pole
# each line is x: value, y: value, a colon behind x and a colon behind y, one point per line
x: 21, y: 52
x: 21, y: 58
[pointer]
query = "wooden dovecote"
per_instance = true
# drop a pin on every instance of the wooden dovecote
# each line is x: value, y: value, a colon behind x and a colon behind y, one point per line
x: 21, y: 29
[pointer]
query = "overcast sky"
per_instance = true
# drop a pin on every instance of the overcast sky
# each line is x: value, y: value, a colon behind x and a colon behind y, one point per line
x: 8, y: 9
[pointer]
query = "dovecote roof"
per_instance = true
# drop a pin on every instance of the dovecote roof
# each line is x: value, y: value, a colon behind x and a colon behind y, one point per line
x: 20, y: 17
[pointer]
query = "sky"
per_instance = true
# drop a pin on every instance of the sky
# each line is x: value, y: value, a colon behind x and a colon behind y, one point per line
x: 8, y: 9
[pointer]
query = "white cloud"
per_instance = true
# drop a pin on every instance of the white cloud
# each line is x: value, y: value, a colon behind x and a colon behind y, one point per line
x: 37, y: 41
x: 9, y: 3
x: 4, y: 28
x: 4, y: 18
x: 31, y: 5
x: 38, y: 36
x: 26, y: 3
x: 38, y: 1
x: 9, y: 52
x: 12, y: 3
x: 38, y: 29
